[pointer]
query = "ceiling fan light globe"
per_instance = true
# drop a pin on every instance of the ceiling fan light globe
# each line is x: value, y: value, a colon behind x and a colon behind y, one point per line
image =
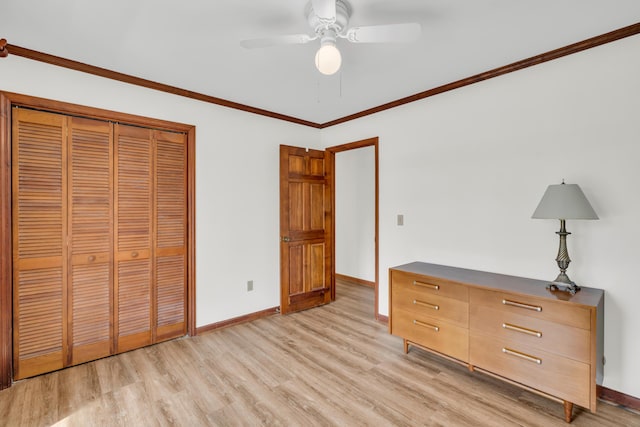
x: 328, y: 59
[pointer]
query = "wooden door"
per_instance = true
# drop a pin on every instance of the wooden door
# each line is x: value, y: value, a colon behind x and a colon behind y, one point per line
x: 170, y: 249
x: 305, y: 229
x: 39, y: 235
x: 62, y: 246
x: 90, y: 211
x: 101, y: 238
x: 134, y: 293
x: 151, y: 236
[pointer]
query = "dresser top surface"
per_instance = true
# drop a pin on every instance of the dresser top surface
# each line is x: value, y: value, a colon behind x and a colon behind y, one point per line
x: 586, y: 296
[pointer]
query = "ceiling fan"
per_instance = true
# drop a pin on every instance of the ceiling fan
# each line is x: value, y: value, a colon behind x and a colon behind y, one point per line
x: 328, y: 20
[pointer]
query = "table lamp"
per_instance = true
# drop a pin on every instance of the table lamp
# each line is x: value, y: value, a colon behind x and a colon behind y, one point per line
x: 564, y: 201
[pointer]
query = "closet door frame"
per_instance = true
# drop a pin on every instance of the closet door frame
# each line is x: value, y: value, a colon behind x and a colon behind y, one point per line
x: 9, y: 100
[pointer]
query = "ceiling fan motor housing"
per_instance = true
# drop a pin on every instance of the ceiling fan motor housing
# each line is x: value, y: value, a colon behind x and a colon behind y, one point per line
x: 320, y: 25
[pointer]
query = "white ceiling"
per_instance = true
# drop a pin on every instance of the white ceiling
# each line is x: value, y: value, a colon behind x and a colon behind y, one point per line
x: 194, y: 44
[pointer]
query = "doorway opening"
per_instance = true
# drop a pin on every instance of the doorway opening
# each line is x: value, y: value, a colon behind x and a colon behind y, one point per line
x: 354, y: 183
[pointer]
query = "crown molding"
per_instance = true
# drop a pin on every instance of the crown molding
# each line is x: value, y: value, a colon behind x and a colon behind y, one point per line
x: 519, y: 65
x: 126, y: 78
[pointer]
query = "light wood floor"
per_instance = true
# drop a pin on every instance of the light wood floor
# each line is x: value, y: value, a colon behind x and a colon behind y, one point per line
x: 333, y: 365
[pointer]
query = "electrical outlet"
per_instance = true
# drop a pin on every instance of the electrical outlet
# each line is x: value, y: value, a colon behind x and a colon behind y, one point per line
x: 249, y: 285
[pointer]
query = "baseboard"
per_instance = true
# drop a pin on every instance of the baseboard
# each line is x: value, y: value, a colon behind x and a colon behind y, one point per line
x: 355, y: 280
x: 238, y: 320
x: 618, y: 398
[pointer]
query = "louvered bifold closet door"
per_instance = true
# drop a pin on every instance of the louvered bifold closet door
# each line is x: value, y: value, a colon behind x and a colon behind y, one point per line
x: 134, y: 294
x: 39, y: 250
x: 90, y: 238
x: 171, y: 229
x: 99, y: 228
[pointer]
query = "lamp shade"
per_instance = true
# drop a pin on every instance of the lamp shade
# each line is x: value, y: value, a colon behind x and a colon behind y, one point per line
x: 564, y: 201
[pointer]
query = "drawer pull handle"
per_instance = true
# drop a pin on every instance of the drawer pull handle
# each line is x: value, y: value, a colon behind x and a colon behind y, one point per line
x: 521, y: 305
x: 426, y: 285
x: 522, y: 355
x: 521, y: 329
x: 426, y: 325
x: 426, y: 304
x: 134, y: 254
x: 91, y: 258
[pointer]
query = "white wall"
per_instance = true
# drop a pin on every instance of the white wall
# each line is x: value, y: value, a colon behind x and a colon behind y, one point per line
x: 468, y: 167
x: 355, y: 213
x: 237, y: 179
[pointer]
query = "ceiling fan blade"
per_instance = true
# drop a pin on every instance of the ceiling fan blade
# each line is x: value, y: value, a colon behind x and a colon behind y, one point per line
x: 325, y: 9
x: 384, y: 33
x: 276, y: 41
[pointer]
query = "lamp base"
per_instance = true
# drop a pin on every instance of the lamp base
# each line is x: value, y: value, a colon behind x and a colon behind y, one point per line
x: 557, y: 286
x: 562, y: 282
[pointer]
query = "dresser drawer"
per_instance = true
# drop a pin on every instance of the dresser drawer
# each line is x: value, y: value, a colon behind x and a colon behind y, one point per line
x: 567, y: 341
x: 432, y: 305
x: 429, y: 286
x: 558, y: 376
x: 538, y: 308
x: 437, y: 335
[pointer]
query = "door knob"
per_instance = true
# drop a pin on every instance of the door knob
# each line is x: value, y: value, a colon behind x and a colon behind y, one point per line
x: 286, y: 239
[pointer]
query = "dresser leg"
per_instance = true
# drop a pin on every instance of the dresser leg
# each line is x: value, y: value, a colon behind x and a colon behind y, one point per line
x: 568, y: 409
x: 406, y: 346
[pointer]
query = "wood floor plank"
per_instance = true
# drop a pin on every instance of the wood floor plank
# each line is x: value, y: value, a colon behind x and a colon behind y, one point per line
x: 329, y: 366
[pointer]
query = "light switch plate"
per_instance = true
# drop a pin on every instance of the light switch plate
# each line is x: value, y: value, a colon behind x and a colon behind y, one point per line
x: 400, y: 219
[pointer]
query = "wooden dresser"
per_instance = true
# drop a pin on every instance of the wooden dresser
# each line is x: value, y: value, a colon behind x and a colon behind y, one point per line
x: 511, y: 327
